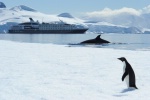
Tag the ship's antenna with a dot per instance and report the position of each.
(61, 20)
(42, 19)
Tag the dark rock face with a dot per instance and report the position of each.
(23, 8)
(67, 15)
(2, 5)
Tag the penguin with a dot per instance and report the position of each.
(128, 74)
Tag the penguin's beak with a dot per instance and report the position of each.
(119, 58)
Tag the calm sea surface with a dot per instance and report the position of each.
(118, 41)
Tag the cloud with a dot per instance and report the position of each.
(107, 12)
(146, 9)
(124, 17)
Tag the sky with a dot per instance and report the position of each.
(76, 7)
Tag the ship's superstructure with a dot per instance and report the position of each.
(49, 28)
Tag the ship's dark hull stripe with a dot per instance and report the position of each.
(47, 31)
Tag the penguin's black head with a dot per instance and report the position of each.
(122, 59)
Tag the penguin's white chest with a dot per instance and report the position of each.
(127, 77)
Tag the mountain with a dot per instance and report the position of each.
(125, 20)
(22, 8)
(124, 17)
(2, 5)
(67, 15)
(19, 14)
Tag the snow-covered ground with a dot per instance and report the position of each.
(34, 71)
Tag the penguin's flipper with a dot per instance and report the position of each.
(124, 75)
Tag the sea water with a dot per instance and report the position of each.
(118, 41)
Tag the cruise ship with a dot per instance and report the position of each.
(59, 27)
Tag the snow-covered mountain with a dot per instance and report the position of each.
(124, 17)
(22, 13)
(125, 20)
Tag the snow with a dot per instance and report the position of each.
(34, 71)
(110, 28)
(125, 20)
(129, 17)
(19, 14)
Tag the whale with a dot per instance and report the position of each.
(97, 40)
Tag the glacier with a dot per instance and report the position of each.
(126, 17)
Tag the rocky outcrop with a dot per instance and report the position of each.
(2, 5)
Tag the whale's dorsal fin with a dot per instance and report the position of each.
(98, 37)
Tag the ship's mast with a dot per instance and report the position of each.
(31, 20)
